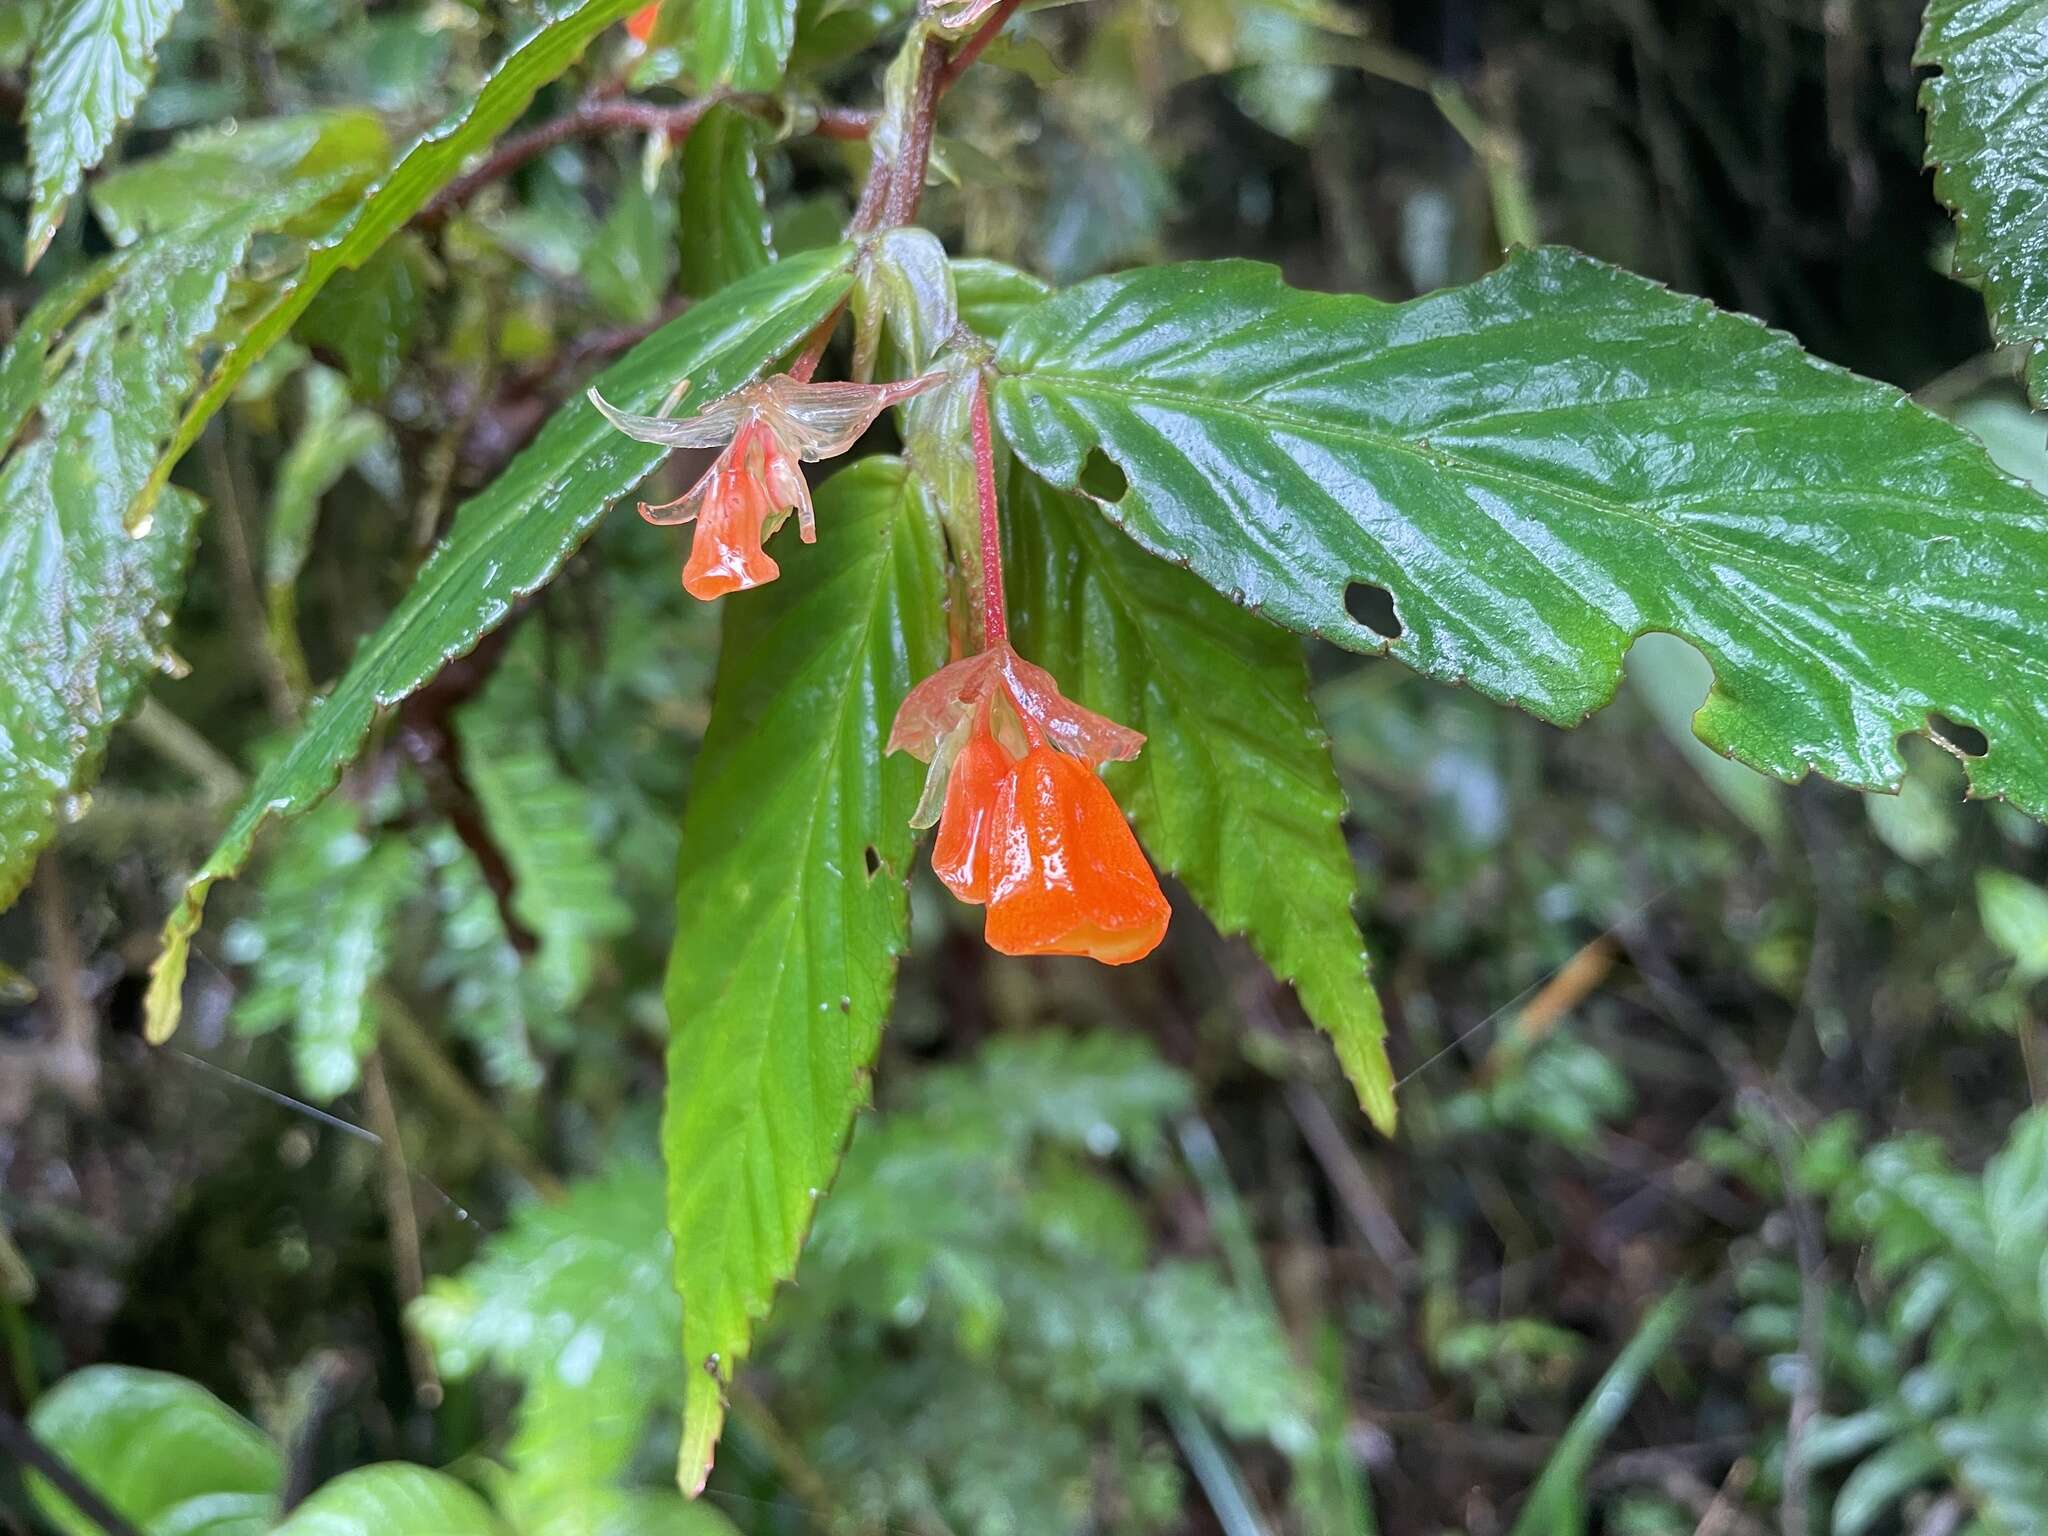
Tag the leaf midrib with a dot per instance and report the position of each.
(1196, 403)
(799, 935)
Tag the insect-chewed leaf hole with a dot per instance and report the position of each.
(1959, 734)
(874, 861)
(1373, 606)
(1102, 478)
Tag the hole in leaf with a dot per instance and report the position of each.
(1102, 478)
(1373, 607)
(874, 862)
(1965, 738)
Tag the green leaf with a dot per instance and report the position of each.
(2015, 914)
(790, 909)
(1234, 792)
(1543, 466)
(724, 233)
(392, 1499)
(1556, 1504)
(429, 165)
(217, 171)
(320, 941)
(544, 821)
(84, 606)
(508, 541)
(991, 294)
(161, 1450)
(93, 61)
(631, 260)
(622, 1512)
(1987, 139)
(331, 437)
(742, 45)
(365, 319)
(573, 1299)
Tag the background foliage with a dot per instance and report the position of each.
(1717, 1199)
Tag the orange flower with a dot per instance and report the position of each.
(960, 855)
(641, 22)
(767, 429)
(1068, 877)
(1025, 823)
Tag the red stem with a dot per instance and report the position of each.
(814, 348)
(972, 49)
(995, 624)
(599, 116)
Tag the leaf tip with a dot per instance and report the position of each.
(703, 1421)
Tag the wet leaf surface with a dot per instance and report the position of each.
(1540, 467)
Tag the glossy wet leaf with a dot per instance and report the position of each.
(392, 1499)
(1234, 792)
(216, 171)
(433, 161)
(84, 608)
(93, 60)
(1987, 139)
(508, 541)
(790, 909)
(742, 45)
(1546, 464)
(161, 1450)
(573, 1300)
(724, 233)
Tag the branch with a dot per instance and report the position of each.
(19, 1442)
(596, 117)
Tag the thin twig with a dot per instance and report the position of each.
(809, 1485)
(595, 117)
(76, 1062)
(1794, 1512)
(19, 1442)
(180, 745)
(416, 1054)
(964, 57)
(1353, 1186)
(408, 1271)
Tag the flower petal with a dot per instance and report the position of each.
(1066, 875)
(712, 427)
(936, 707)
(822, 421)
(1097, 739)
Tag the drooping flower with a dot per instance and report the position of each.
(1067, 876)
(767, 429)
(1026, 825)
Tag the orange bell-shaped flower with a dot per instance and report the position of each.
(1067, 877)
(1025, 824)
(735, 513)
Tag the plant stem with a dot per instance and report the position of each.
(415, 1053)
(905, 187)
(408, 1272)
(814, 349)
(19, 1442)
(600, 116)
(995, 624)
(972, 49)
